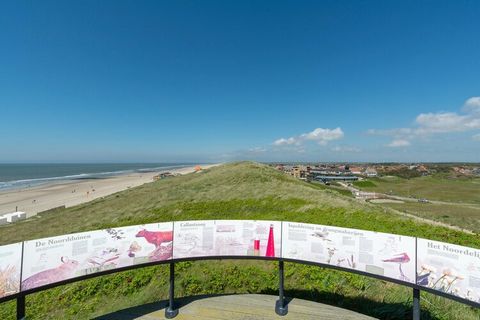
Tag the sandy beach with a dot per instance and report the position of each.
(70, 193)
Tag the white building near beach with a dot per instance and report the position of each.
(12, 217)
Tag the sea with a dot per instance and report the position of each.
(19, 176)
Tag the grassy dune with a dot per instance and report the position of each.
(234, 191)
(462, 215)
(435, 187)
(460, 197)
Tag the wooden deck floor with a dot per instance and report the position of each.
(236, 307)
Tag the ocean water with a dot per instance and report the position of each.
(15, 176)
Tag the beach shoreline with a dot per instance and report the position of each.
(56, 194)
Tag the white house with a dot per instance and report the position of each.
(12, 217)
(371, 172)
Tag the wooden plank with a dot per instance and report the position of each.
(236, 307)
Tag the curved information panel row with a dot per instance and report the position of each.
(447, 268)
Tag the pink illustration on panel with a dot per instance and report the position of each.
(162, 240)
(64, 271)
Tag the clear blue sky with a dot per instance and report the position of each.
(121, 81)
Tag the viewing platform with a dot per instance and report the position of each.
(235, 307)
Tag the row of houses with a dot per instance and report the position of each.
(327, 172)
(405, 170)
(467, 171)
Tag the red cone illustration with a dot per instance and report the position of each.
(270, 244)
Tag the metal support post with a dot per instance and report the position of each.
(416, 304)
(21, 308)
(170, 311)
(280, 307)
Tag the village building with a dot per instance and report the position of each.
(371, 172)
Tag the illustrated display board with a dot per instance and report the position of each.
(383, 254)
(10, 269)
(248, 238)
(227, 238)
(193, 239)
(449, 268)
(55, 259)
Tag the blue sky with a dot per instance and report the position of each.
(123, 81)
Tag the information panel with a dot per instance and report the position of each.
(227, 238)
(449, 268)
(55, 259)
(388, 255)
(10, 269)
(193, 239)
(248, 238)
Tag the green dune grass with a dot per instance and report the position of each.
(460, 197)
(466, 216)
(435, 187)
(233, 191)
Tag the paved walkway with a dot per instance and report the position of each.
(236, 307)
